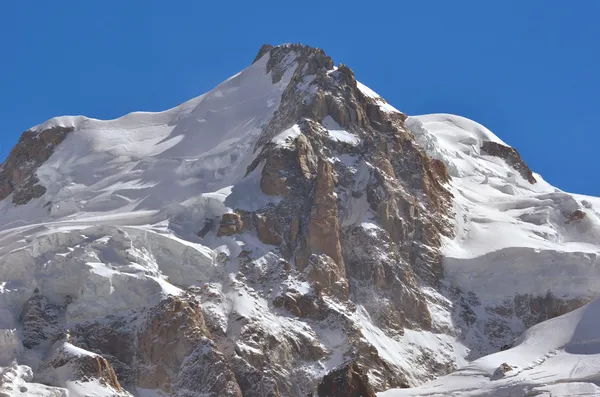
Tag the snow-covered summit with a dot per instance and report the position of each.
(288, 224)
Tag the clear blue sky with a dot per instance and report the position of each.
(528, 70)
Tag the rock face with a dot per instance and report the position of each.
(348, 381)
(40, 321)
(17, 173)
(176, 353)
(512, 157)
(502, 370)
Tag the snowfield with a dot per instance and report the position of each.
(118, 231)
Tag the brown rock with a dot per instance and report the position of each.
(267, 228)
(326, 276)
(112, 340)
(576, 216)
(323, 230)
(350, 380)
(273, 179)
(85, 367)
(176, 333)
(511, 156)
(18, 172)
(439, 169)
(502, 370)
(231, 223)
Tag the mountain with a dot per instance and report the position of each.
(287, 233)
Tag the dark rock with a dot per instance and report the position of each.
(263, 50)
(18, 172)
(501, 371)
(350, 380)
(511, 156)
(40, 320)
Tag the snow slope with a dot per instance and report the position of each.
(559, 357)
(512, 237)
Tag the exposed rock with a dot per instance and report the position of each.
(113, 340)
(535, 309)
(79, 365)
(267, 228)
(323, 230)
(273, 175)
(263, 50)
(231, 223)
(326, 276)
(18, 172)
(348, 381)
(576, 216)
(40, 321)
(501, 371)
(511, 156)
(171, 334)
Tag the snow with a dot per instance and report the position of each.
(287, 136)
(383, 105)
(511, 236)
(408, 350)
(559, 357)
(337, 133)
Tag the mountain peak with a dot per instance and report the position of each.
(289, 231)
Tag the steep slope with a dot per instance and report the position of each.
(559, 357)
(523, 250)
(288, 232)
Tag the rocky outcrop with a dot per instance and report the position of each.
(114, 340)
(511, 156)
(75, 364)
(231, 223)
(322, 234)
(175, 353)
(40, 320)
(400, 188)
(167, 348)
(18, 172)
(535, 309)
(347, 381)
(501, 371)
(576, 216)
